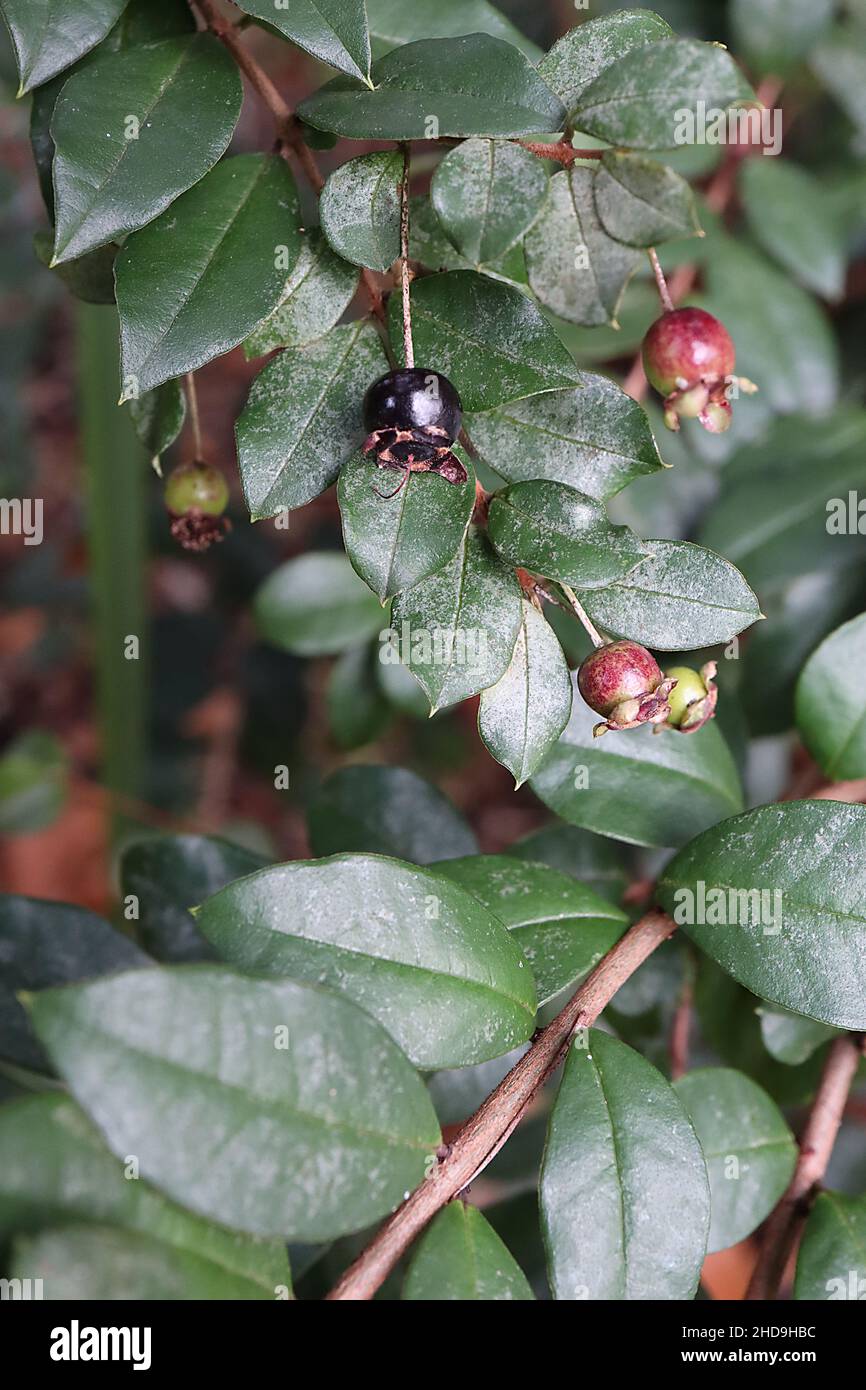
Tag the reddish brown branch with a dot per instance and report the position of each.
(784, 1227)
(485, 1132)
(562, 152)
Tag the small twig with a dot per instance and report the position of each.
(594, 634)
(785, 1225)
(852, 792)
(682, 1022)
(194, 417)
(664, 292)
(405, 277)
(562, 152)
(481, 1136)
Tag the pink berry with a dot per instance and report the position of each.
(685, 347)
(623, 682)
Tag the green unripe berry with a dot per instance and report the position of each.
(689, 688)
(196, 487)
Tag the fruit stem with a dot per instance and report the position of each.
(595, 635)
(664, 292)
(408, 346)
(194, 417)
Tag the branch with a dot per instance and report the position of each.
(486, 1131)
(408, 346)
(785, 1225)
(562, 152)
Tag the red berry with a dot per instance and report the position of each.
(623, 681)
(685, 347)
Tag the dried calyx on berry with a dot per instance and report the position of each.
(693, 699)
(196, 495)
(623, 682)
(689, 358)
(413, 416)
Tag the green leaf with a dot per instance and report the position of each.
(316, 605)
(334, 31)
(791, 1038)
(621, 1157)
(276, 1109)
(159, 417)
(596, 439)
(487, 337)
(475, 85)
(838, 60)
(775, 34)
(790, 217)
(554, 530)
(386, 810)
(89, 277)
(522, 716)
(636, 786)
(434, 966)
(582, 54)
(456, 630)
(170, 874)
(360, 209)
(486, 194)
(399, 686)
(641, 202)
(358, 711)
(639, 100)
(316, 294)
(49, 35)
(393, 22)
(34, 776)
(788, 881)
(678, 599)
(55, 1170)
(48, 943)
(193, 284)
(394, 541)
(461, 1258)
(749, 1150)
(186, 96)
(831, 702)
(562, 927)
(598, 863)
(575, 268)
(302, 419)
(831, 1263)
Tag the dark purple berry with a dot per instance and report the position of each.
(414, 398)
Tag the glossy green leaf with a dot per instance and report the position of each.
(386, 810)
(596, 862)
(159, 417)
(456, 629)
(487, 337)
(476, 85)
(831, 702)
(523, 714)
(397, 683)
(185, 94)
(775, 34)
(394, 541)
(582, 54)
(316, 605)
(749, 1150)
(49, 943)
(34, 775)
(831, 1263)
(278, 1109)
(639, 100)
(316, 294)
(302, 419)
(788, 880)
(434, 966)
(791, 1038)
(461, 1258)
(596, 438)
(360, 209)
(393, 22)
(562, 927)
(163, 877)
(89, 277)
(486, 194)
(637, 786)
(838, 59)
(334, 31)
(792, 220)
(680, 598)
(49, 35)
(554, 530)
(575, 268)
(358, 711)
(621, 1157)
(55, 1170)
(193, 284)
(643, 203)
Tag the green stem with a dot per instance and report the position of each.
(116, 478)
